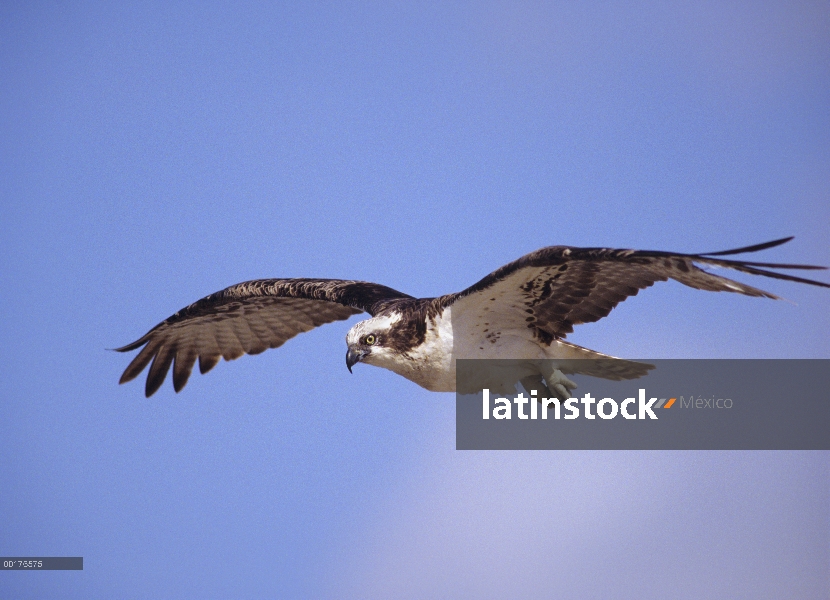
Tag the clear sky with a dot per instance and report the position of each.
(152, 153)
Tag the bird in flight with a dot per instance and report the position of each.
(523, 310)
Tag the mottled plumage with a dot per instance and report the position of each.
(522, 310)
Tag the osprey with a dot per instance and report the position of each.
(523, 310)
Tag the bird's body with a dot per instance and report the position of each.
(523, 310)
(431, 364)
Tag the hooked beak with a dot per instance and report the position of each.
(353, 357)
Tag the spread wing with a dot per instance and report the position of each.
(247, 318)
(551, 290)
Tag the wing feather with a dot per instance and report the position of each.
(207, 362)
(228, 340)
(183, 366)
(142, 359)
(158, 370)
(208, 350)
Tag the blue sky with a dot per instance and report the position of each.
(153, 153)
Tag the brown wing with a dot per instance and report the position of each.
(247, 318)
(555, 288)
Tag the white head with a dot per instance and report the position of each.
(374, 342)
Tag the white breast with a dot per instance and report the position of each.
(448, 338)
(432, 364)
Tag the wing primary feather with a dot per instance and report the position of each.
(140, 362)
(207, 362)
(158, 370)
(182, 367)
(138, 343)
(753, 248)
(748, 268)
(773, 265)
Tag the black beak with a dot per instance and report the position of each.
(353, 357)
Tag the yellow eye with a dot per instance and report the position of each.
(369, 340)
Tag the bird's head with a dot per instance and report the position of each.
(369, 342)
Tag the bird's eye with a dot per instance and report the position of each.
(369, 340)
